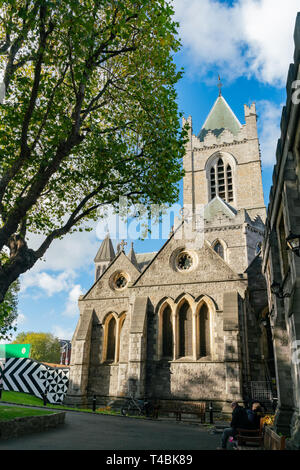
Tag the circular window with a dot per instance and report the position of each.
(184, 261)
(119, 281)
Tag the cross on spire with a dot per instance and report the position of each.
(220, 85)
(122, 245)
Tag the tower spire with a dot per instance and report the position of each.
(104, 256)
(132, 257)
(220, 85)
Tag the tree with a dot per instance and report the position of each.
(44, 346)
(9, 312)
(89, 114)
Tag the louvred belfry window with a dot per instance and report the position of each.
(221, 181)
(229, 184)
(213, 183)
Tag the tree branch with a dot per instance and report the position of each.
(6, 45)
(25, 150)
(49, 107)
(16, 45)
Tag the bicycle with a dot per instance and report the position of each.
(137, 407)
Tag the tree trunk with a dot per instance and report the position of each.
(18, 264)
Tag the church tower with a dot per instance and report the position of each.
(224, 142)
(223, 173)
(104, 256)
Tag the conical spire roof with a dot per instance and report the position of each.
(221, 117)
(132, 257)
(106, 251)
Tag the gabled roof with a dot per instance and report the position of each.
(217, 205)
(143, 259)
(119, 255)
(156, 254)
(106, 251)
(104, 272)
(221, 117)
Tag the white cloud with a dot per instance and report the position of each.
(210, 33)
(71, 307)
(62, 333)
(54, 284)
(50, 284)
(269, 130)
(269, 29)
(21, 319)
(72, 252)
(250, 38)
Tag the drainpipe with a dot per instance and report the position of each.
(246, 344)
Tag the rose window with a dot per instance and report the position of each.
(121, 282)
(184, 262)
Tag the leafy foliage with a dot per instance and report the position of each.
(89, 115)
(9, 312)
(44, 346)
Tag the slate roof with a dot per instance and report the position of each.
(216, 205)
(143, 259)
(132, 256)
(221, 117)
(106, 251)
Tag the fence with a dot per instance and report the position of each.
(29, 376)
(263, 392)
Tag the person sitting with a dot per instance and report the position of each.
(239, 420)
(255, 415)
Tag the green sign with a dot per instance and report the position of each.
(14, 350)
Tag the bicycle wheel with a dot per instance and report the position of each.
(125, 410)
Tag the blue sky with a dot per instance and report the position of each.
(250, 44)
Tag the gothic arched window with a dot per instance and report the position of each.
(185, 330)
(111, 339)
(204, 331)
(98, 273)
(219, 249)
(167, 333)
(221, 180)
(122, 349)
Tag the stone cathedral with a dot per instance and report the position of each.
(183, 323)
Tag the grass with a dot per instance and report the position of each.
(12, 412)
(21, 398)
(30, 400)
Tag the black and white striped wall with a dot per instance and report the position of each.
(29, 376)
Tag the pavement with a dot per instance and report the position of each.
(87, 431)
